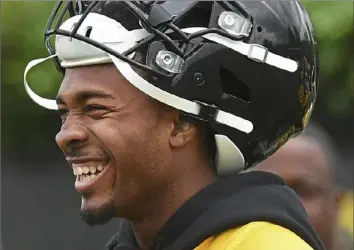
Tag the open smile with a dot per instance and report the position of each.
(87, 174)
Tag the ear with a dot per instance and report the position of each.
(182, 132)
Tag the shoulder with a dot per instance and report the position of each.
(256, 235)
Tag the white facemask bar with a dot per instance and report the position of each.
(80, 53)
(149, 89)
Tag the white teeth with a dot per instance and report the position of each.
(85, 170)
(93, 170)
(85, 178)
(79, 170)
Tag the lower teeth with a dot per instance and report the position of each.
(87, 177)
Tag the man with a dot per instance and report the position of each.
(163, 103)
(309, 165)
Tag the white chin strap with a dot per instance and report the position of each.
(74, 53)
(229, 158)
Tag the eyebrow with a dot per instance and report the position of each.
(85, 95)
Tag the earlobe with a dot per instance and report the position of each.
(182, 133)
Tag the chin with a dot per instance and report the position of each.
(97, 215)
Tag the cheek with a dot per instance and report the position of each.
(140, 153)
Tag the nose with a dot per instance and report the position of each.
(71, 133)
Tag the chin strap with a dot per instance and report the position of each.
(228, 160)
(162, 96)
(46, 103)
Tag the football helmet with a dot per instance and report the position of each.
(246, 70)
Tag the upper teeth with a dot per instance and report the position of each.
(79, 170)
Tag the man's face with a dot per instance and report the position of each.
(302, 165)
(115, 139)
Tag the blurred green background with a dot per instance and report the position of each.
(28, 130)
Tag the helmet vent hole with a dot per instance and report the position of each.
(232, 86)
(88, 31)
(259, 29)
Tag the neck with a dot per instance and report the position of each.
(185, 184)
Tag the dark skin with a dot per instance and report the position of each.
(302, 164)
(154, 161)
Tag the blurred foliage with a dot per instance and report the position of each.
(333, 23)
(22, 40)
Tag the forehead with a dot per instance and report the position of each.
(103, 79)
(298, 158)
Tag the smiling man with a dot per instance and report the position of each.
(122, 156)
(164, 103)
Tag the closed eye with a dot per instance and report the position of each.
(96, 111)
(89, 108)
